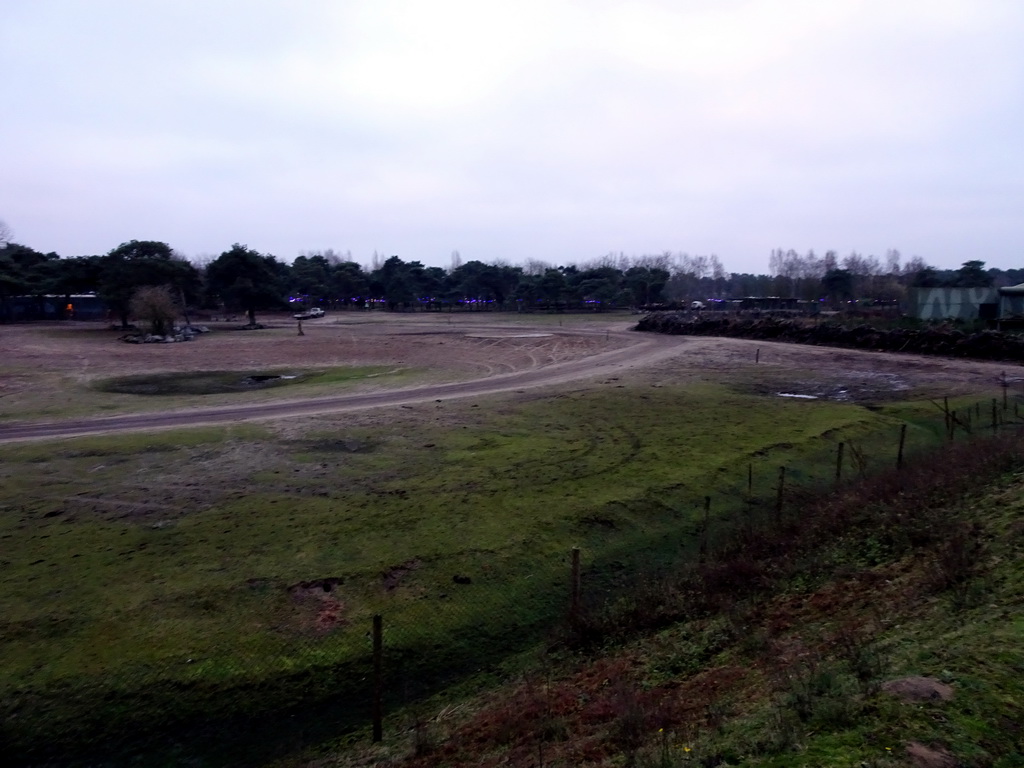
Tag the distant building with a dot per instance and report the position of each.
(956, 303)
(1011, 302)
(85, 306)
(769, 303)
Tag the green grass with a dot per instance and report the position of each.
(158, 566)
(791, 676)
(974, 644)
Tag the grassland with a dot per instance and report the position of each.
(903, 575)
(151, 584)
(131, 560)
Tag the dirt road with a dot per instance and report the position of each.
(637, 351)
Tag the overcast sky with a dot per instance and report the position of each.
(516, 130)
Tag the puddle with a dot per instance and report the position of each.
(508, 335)
(845, 387)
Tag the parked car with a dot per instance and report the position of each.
(310, 314)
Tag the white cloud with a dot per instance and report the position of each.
(552, 129)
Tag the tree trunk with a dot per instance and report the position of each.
(184, 305)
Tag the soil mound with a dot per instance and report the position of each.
(927, 757)
(950, 342)
(918, 689)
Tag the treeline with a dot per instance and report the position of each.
(243, 280)
(829, 277)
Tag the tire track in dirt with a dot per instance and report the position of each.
(607, 448)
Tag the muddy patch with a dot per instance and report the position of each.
(323, 608)
(916, 688)
(840, 387)
(199, 382)
(340, 445)
(393, 577)
(315, 588)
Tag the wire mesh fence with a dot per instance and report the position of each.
(319, 662)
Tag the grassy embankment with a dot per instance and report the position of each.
(145, 580)
(780, 649)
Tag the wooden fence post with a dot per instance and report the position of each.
(781, 491)
(574, 594)
(903, 440)
(378, 683)
(750, 481)
(995, 416)
(839, 463)
(704, 529)
(757, 356)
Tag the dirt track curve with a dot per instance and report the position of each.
(640, 350)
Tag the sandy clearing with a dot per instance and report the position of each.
(508, 370)
(465, 356)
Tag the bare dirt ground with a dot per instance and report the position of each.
(45, 367)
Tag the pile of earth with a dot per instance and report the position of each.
(940, 340)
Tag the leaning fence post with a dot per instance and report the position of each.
(757, 356)
(779, 497)
(378, 683)
(903, 440)
(704, 529)
(574, 596)
(995, 415)
(839, 463)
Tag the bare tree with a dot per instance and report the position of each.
(610, 260)
(663, 260)
(155, 305)
(535, 267)
(6, 234)
(913, 265)
(696, 267)
(892, 262)
(717, 270)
